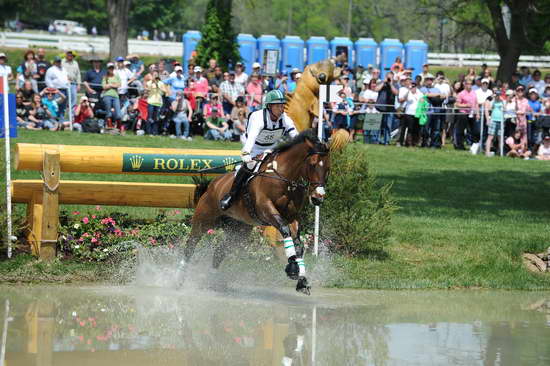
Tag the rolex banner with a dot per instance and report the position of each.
(172, 163)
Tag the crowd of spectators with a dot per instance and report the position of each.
(424, 110)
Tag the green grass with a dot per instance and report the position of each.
(463, 220)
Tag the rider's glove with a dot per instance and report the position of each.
(246, 158)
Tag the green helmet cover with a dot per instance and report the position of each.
(275, 97)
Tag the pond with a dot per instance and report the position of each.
(137, 325)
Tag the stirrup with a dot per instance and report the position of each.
(226, 202)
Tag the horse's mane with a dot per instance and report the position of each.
(309, 134)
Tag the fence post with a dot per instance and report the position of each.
(50, 202)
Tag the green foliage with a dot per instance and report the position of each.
(218, 38)
(96, 236)
(356, 214)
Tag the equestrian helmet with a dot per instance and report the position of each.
(275, 97)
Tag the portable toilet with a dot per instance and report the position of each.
(365, 52)
(268, 42)
(247, 50)
(340, 45)
(389, 50)
(317, 49)
(190, 40)
(292, 53)
(416, 55)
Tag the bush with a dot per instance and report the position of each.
(96, 236)
(356, 214)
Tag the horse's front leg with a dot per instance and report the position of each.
(296, 268)
(302, 285)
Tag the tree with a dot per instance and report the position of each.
(511, 37)
(118, 27)
(218, 37)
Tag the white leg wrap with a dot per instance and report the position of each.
(288, 244)
(301, 266)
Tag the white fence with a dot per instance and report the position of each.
(87, 43)
(161, 48)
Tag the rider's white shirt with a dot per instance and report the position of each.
(264, 134)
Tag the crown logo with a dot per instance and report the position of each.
(136, 162)
(229, 164)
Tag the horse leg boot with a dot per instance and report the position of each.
(240, 178)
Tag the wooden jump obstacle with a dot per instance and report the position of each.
(43, 197)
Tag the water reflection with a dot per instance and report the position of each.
(129, 326)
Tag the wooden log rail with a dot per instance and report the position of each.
(43, 197)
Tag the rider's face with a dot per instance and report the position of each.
(277, 109)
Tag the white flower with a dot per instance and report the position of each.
(77, 246)
(76, 226)
(105, 250)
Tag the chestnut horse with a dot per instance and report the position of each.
(274, 196)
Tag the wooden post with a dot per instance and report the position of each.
(34, 222)
(50, 202)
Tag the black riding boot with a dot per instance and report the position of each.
(240, 179)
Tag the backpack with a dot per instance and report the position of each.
(90, 125)
(383, 101)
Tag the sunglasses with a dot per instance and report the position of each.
(520, 90)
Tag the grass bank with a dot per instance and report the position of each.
(463, 221)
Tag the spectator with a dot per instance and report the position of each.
(537, 82)
(163, 73)
(211, 71)
(230, 91)
(450, 120)
(344, 115)
(509, 113)
(239, 106)
(111, 100)
(5, 69)
(522, 109)
(199, 81)
(82, 112)
(397, 65)
(177, 83)
(471, 75)
(73, 73)
(494, 117)
(183, 114)
(93, 79)
(254, 91)
(412, 98)
(346, 86)
(57, 78)
(525, 76)
(484, 69)
(22, 112)
(27, 92)
(214, 103)
(136, 66)
(514, 82)
(40, 115)
(156, 89)
(425, 72)
(52, 99)
(536, 107)
(216, 80)
(240, 76)
(125, 76)
(257, 68)
(544, 149)
(516, 145)
(218, 129)
(466, 101)
(431, 135)
(239, 127)
(42, 65)
(27, 71)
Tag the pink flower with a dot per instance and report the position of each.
(94, 240)
(134, 231)
(85, 220)
(98, 208)
(211, 231)
(93, 216)
(76, 213)
(152, 241)
(118, 232)
(177, 212)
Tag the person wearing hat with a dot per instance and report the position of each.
(111, 100)
(42, 65)
(137, 66)
(73, 72)
(82, 112)
(183, 113)
(210, 72)
(93, 79)
(52, 99)
(156, 90)
(431, 131)
(535, 107)
(265, 129)
(57, 78)
(254, 91)
(5, 69)
(177, 83)
(257, 68)
(218, 129)
(241, 77)
(494, 117)
(200, 83)
(482, 94)
(126, 78)
(543, 152)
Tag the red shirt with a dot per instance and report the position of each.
(85, 112)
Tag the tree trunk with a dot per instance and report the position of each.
(509, 58)
(118, 27)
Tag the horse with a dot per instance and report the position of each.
(274, 196)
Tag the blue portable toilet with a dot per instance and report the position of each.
(267, 42)
(340, 45)
(292, 53)
(389, 50)
(416, 55)
(317, 49)
(247, 49)
(365, 52)
(190, 40)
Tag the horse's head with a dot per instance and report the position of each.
(317, 169)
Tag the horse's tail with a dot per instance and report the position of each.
(202, 184)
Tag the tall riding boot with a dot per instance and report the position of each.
(240, 179)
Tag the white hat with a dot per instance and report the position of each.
(298, 75)
(127, 62)
(429, 76)
(256, 65)
(533, 90)
(2, 54)
(485, 81)
(110, 64)
(509, 92)
(197, 69)
(178, 68)
(295, 70)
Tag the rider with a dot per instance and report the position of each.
(264, 130)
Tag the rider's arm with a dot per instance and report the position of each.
(255, 124)
(289, 126)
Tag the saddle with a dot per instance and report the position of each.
(247, 196)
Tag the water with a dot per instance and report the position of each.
(139, 325)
